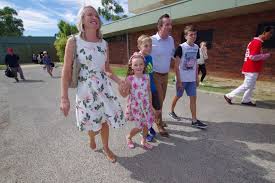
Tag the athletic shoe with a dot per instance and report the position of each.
(228, 100)
(199, 124)
(174, 116)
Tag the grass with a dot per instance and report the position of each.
(2, 67)
(264, 89)
(120, 71)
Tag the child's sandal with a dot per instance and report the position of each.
(130, 143)
(146, 145)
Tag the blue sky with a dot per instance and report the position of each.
(40, 17)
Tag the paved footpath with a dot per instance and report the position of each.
(37, 144)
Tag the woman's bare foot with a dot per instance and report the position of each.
(109, 154)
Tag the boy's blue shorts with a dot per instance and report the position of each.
(189, 87)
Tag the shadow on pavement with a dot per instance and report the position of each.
(30, 81)
(225, 152)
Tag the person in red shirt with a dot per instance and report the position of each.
(253, 63)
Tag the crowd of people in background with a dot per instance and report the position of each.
(13, 66)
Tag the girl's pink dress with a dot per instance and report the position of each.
(138, 105)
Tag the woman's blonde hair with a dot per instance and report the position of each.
(80, 25)
(143, 39)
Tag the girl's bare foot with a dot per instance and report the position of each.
(109, 154)
(92, 144)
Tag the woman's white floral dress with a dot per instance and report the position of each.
(95, 100)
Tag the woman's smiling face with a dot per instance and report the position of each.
(91, 19)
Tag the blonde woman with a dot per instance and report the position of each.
(97, 106)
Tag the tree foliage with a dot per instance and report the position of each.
(9, 24)
(111, 10)
(65, 30)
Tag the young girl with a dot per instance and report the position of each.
(139, 105)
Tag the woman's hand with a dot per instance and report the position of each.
(65, 106)
(124, 88)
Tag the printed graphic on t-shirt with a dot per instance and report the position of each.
(149, 68)
(189, 61)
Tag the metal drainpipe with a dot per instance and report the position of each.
(127, 43)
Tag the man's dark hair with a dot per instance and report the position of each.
(160, 22)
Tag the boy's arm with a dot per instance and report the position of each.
(255, 52)
(176, 68)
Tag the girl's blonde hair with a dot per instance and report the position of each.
(80, 25)
(143, 39)
(135, 55)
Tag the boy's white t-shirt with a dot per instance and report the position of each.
(188, 63)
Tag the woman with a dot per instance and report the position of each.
(96, 104)
(201, 60)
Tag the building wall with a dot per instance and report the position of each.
(230, 38)
(26, 46)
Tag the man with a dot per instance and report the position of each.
(11, 61)
(253, 63)
(162, 53)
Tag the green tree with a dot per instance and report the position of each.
(65, 30)
(111, 10)
(9, 25)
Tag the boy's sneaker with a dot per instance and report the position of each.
(150, 138)
(17, 80)
(152, 131)
(199, 124)
(174, 116)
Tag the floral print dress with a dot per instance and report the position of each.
(138, 107)
(95, 100)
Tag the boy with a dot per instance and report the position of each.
(145, 46)
(253, 63)
(187, 73)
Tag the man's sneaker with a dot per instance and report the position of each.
(249, 104)
(199, 124)
(174, 116)
(16, 79)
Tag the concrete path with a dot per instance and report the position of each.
(37, 144)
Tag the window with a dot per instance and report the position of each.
(202, 35)
(269, 43)
(116, 38)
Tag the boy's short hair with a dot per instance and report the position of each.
(268, 29)
(143, 39)
(189, 28)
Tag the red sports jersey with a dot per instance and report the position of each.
(253, 48)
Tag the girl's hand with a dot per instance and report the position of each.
(123, 88)
(65, 106)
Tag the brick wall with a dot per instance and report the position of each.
(230, 38)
